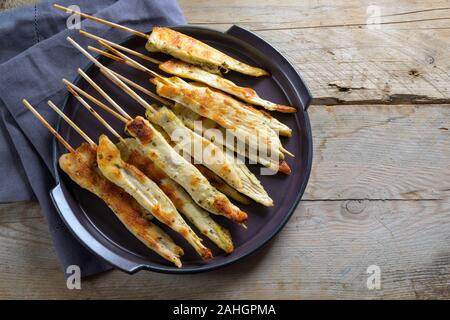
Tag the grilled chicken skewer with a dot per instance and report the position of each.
(154, 145)
(246, 123)
(182, 47)
(224, 164)
(215, 181)
(139, 186)
(189, 71)
(81, 166)
(188, 117)
(131, 153)
(220, 162)
(272, 122)
(192, 72)
(210, 129)
(183, 202)
(196, 52)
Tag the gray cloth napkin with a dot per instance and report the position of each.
(34, 57)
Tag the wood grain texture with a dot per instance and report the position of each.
(310, 14)
(323, 252)
(344, 60)
(380, 152)
(378, 194)
(379, 191)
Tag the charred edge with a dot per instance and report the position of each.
(223, 205)
(284, 167)
(206, 254)
(140, 130)
(285, 109)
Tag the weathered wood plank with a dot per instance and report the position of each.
(323, 252)
(309, 14)
(361, 152)
(340, 58)
(369, 66)
(380, 152)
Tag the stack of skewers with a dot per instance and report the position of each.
(156, 173)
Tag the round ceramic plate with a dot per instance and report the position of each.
(93, 223)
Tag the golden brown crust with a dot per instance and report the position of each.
(190, 71)
(142, 132)
(180, 198)
(222, 205)
(196, 52)
(145, 191)
(184, 173)
(81, 166)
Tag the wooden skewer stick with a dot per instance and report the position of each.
(111, 76)
(126, 80)
(132, 61)
(150, 72)
(95, 114)
(106, 22)
(287, 152)
(131, 93)
(142, 89)
(103, 93)
(143, 68)
(95, 100)
(48, 126)
(120, 47)
(119, 82)
(70, 122)
(112, 56)
(128, 90)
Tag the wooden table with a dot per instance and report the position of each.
(380, 185)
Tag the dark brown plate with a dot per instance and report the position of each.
(97, 227)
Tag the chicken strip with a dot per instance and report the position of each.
(213, 178)
(221, 162)
(155, 146)
(81, 167)
(131, 153)
(189, 117)
(146, 193)
(221, 185)
(196, 52)
(273, 123)
(194, 145)
(189, 71)
(245, 125)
